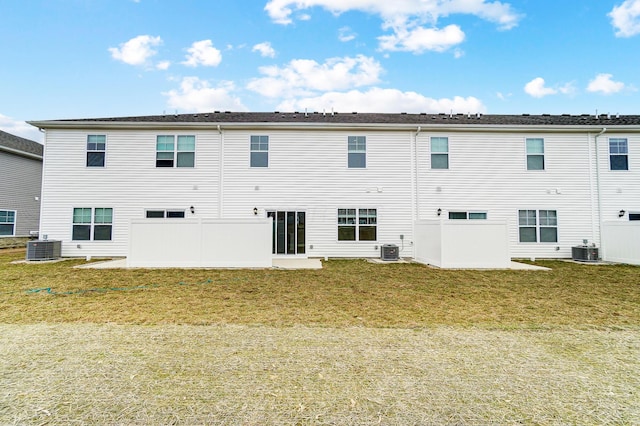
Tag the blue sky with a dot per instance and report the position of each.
(99, 58)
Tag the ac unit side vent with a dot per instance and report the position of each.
(44, 250)
(584, 253)
(389, 252)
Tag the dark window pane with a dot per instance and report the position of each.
(619, 162)
(457, 215)
(634, 216)
(102, 233)
(479, 215)
(259, 159)
(346, 233)
(95, 159)
(175, 214)
(357, 160)
(528, 235)
(535, 162)
(439, 161)
(301, 232)
(81, 232)
(186, 159)
(6, 229)
(367, 233)
(155, 213)
(548, 235)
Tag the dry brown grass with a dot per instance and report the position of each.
(255, 375)
(344, 293)
(352, 344)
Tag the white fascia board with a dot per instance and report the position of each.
(130, 125)
(21, 153)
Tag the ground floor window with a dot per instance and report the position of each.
(634, 216)
(467, 215)
(357, 224)
(538, 226)
(92, 224)
(7, 223)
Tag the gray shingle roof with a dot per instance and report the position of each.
(16, 143)
(372, 118)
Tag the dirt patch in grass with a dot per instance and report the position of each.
(343, 293)
(231, 374)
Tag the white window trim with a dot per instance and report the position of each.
(538, 226)
(268, 151)
(165, 212)
(357, 152)
(93, 224)
(431, 137)
(468, 213)
(176, 151)
(87, 151)
(14, 223)
(357, 225)
(609, 155)
(544, 156)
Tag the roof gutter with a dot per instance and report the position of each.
(21, 153)
(213, 125)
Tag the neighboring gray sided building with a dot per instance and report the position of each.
(20, 185)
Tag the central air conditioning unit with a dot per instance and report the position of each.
(584, 253)
(44, 250)
(389, 252)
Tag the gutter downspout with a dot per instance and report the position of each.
(414, 189)
(598, 193)
(220, 173)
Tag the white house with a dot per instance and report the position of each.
(344, 184)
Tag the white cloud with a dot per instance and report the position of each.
(163, 65)
(626, 18)
(407, 18)
(537, 89)
(345, 34)
(265, 49)
(203, 53)
(197, 95)
(304, 77)
(603, 83)
(20, 128)
(420, 39)
(136, 51)
(280, 11)
(383, 100)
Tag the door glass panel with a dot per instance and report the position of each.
(291, 233)
(301, 233)
(272, 215)
(281, 237)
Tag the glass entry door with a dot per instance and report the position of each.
(288, 232)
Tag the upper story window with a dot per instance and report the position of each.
(96, 150)
(7, 223)
(538, 226)
(467, 215)
(92, 224)
(439, 153)
(357, 224)
(618, 154)
(535, 153)
(357, 152)
(170, 154)
(150, 214)
(259, 151)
